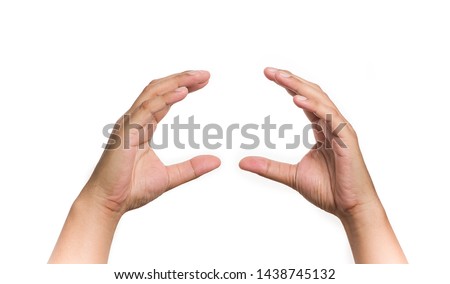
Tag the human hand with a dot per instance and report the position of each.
(333, 175)
(131, 175)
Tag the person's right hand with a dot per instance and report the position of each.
(332, 175)
(130, 174)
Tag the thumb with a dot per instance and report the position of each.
(274, 170)
(191, 169)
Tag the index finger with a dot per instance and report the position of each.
(192, 80)
(313, 100)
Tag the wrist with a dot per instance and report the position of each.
(371, 236)
(95, 209)
(87, 233)
(360, 216)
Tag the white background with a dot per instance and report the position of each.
(67, 69)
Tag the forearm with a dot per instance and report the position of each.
(371, 236)
(87, 234)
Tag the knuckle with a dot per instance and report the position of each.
(292, 178)
(331, 113)
(351, 129)
(153, 82)
(150, 86)
(316, 86)
(286, 72)
(183, 76)
(299, 87)
(146, 105)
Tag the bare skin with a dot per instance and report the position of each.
(333, 175)
(127, 178)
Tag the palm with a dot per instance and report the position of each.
(316, 178)
(148, 181)
(331, 175)
(134, 177)
(129, 175)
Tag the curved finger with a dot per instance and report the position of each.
(335, 122)
(298, 87)
(192, 80)
(138, 126)
(313, 101)
(310, 115)
(154, 109)
(271, 72)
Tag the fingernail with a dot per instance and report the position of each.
(181, 90)
(285, 75)
(192, 72)
(271, 70)
(301, 98)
